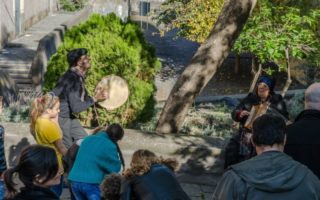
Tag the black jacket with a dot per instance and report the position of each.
(72, 94)
(277, 106)
(159, 183)
(36, 193)
(303, 140)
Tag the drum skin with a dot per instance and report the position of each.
(117, 90)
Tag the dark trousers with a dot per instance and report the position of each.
(72, 130)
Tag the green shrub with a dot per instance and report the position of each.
(72, 5)
(18, 110)
(210, 119)
(115, 47)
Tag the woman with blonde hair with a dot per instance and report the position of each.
(151, 178)
(45, 128)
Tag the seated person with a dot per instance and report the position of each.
(239, 148)
(271, 174)
(151, 178)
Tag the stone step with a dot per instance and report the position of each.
(16, 72)
(14, 63)
(17, 54)
(20, 75)
(19, 71)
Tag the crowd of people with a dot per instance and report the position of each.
(268, 158)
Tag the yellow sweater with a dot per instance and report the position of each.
(47, 132)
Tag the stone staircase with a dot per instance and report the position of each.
(17, 56)
(17, 64)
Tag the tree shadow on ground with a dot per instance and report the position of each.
(14, 151)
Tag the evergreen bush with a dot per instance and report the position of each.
(115, 47)
(72, 5)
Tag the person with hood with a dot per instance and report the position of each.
(271, 174)
(303, 143)
(239, 147)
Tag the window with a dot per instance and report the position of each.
(144, 8)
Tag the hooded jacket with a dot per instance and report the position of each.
(271, 175)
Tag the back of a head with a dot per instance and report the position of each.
(110, 187)
(115, 132)
(34, 161)
(269, 129)
(142, 157)
(312, 97)
(74, 55)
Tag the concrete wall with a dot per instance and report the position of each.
(7, 21)
(13, 23)
(135, 5)
(33, 11)
(119, 7)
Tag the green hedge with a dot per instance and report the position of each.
(115, 47)
(72, 5)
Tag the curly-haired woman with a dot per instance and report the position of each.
(151, 178)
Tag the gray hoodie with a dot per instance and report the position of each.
(271, 175)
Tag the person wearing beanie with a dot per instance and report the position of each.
(73, 96)
(239, 147)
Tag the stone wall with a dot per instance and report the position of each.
(7, 21)
(18, 15)
(35, 10)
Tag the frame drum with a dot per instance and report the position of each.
(117, 90)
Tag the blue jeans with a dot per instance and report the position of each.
(85, 191)
(57, 189)
(2, 190)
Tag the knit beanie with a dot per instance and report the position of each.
(270, 82)
(74, 55)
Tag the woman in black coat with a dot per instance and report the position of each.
(240, 148)
(151, 178)
(38, 170)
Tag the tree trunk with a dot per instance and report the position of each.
(289, 80)
(255, 73)
(204, 63)
(237, 64)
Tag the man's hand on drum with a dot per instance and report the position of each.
(100, 96)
